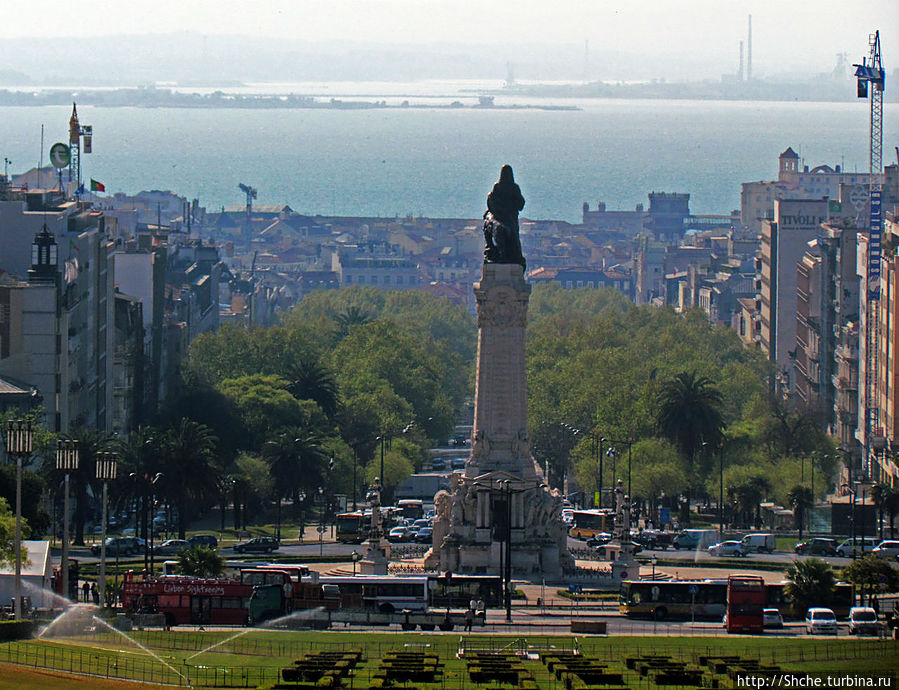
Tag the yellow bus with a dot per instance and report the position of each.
(352, 528)
(589, 523)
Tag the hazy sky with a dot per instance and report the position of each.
(787, 34)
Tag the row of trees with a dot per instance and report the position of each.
(263, 415)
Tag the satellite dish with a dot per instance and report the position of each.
(60, 156)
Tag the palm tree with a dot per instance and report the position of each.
(189, 468)
(311, 380)
(811, 583)
(353, 315)
(801, 501)
(90, 442)
(201, 561)
(689, 414)
(140, 461)
(297, 460)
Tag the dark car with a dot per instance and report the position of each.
(120, 546)
(258, 545)
(207, 540)
(818, 546)
(171, 547)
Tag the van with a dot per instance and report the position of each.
(820, 620)
(863, 621)
(696, 539)
(758, 542)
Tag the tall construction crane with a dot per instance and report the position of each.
(870, 76)
(251, 194)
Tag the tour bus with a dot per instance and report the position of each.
(745, 603)
(672, 599)
(588, 523)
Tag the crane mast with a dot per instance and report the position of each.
(870, 76)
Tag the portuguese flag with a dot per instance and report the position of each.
(97, 186)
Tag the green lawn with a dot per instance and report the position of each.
(254, 657)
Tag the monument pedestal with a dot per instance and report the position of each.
(376, 558)
(500, 501)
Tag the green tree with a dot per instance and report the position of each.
(801, 501)
(8, 535)
(297, 460)
(141, 461)
(689, 413)
(398, 465)
(33, 486)
(883, 494)
(189, 468)
(310, 379)
(810, 583)
(747, 486)
(871, 575)
(201, 561)
(264, 404)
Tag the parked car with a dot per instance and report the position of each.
(820, 621)
(599, 539)
(171, 547)
(207, 540)
(438, 464)
(457, 464)
(845, 547)
(258, 545)
(863, 621)
(759, 543)
(818, 546)
(423, 536)
(771, 618)
(120, 546)
(888, 548)
(726, 548)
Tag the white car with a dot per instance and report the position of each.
(726, 548)
(863, 621)
(889, 548)
(771, 618)
(845, 547)
(820, 621)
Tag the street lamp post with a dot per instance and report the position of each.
(106, 472)
(67, 455)
(19, 442)
(146, 481)
(355, 557)
(506, 489)
(721, 494)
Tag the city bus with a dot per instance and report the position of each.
(589, 523)
(458, 591)
(412, 508)
(352, 528)
(745, 601)
(702, 599)
(672, 599)
(384, 593)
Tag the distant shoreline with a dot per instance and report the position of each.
(164, 98)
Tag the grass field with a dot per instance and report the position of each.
(253, 658)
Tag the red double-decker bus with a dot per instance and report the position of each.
(745, 604)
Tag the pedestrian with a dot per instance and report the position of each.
(473, 605)
(469, 619)
(85, 592)
(482, 607)
(95, 594)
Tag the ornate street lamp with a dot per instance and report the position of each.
(355, 557)
(19, 440)
(107, 465)
(67, 455)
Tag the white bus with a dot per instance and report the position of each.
(384, 593)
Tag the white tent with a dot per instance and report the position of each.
(36, 576)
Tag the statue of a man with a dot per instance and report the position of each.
(501, 220)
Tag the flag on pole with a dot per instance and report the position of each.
(97, 186)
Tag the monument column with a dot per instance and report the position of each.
(500, 474)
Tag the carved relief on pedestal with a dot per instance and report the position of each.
(501, 306)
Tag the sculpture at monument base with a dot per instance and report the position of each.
(377, 553)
